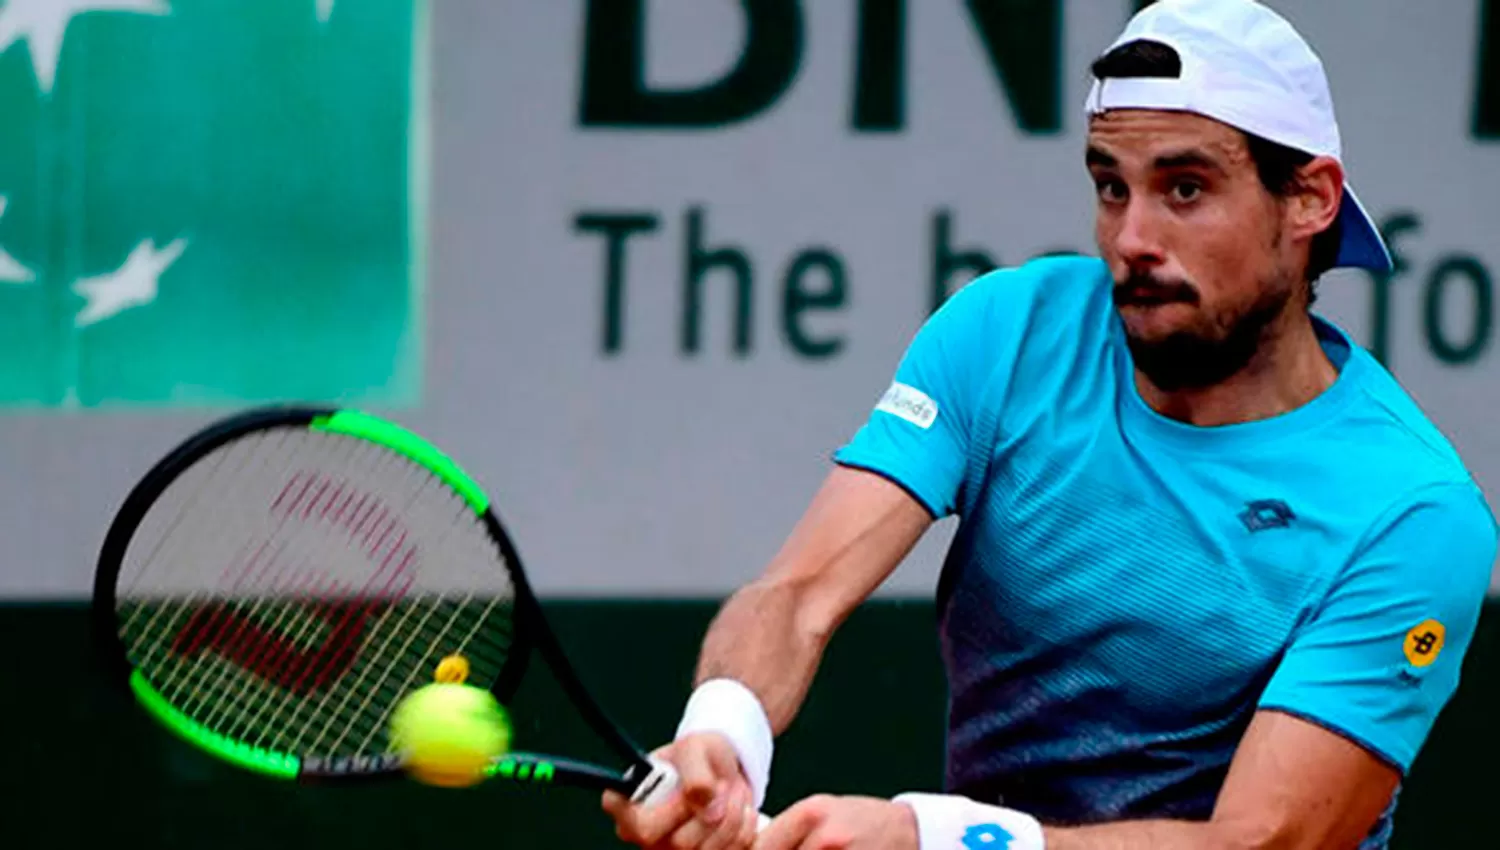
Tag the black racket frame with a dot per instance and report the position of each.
(532, 631)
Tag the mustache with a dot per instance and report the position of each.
(1145, 288)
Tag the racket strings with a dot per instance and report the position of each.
(245, 707)
(266, 712)
(345, 715)
(322, 598)
(290, 700)
(214, 695)
(177, 557)
(172, 547)
(198, 478)
(459, 514)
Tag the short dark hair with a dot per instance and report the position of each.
(1276, 163)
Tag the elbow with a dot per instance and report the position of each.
(1249, 837)
(803, 604)
(1271, 835)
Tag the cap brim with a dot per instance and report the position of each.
(1361, 246)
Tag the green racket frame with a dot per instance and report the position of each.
(638, 779)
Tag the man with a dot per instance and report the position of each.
(1215, 574)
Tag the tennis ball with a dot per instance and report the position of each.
(448, 733)
(453, 669)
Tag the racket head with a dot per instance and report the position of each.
(272, 587)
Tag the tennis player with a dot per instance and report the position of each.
(1215, 573)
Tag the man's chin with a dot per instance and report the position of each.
(1184, 361)
(1156, 322)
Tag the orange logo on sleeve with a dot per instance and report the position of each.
(1424, 642)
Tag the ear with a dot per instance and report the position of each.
(1314, 204)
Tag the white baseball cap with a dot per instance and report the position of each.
(1244, 65)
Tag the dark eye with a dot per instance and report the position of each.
(1186, 190)
(1110, 191)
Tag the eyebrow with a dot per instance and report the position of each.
(1099, 158)
(1186, 159)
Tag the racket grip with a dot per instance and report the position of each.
(663, 780)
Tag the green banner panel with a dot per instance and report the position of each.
(89, 768)
(210, 202)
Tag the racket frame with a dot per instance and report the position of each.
(532, 631)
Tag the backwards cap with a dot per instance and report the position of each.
(1244, 65)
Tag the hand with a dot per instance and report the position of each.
(842, 823)
(713, 808)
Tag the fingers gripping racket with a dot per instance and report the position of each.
(274, 586)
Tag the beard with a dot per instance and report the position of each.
(1202, 356)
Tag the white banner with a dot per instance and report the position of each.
(767, 271)
(671, 272)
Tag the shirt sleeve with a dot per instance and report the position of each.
(921, 429)
(1382, 656)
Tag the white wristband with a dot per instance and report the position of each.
(950, 822)
(733, 710)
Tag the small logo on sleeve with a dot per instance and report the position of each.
(1424, 642)
(910, 404)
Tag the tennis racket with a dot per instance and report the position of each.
(275, 585)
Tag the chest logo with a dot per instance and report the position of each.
(1263, 514)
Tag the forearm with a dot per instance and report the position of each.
(757, 663)
(762, 638)
(770, 635)
(946, 820)
(1140, 835)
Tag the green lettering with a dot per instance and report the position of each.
(1470, 269)
(1023, 39)
(1380, 301)
(796, 300)
(947, 261)
(1487, 79)
(522, 771)
(616, 229)
(614, 91)
(880, 67)
(699, 261)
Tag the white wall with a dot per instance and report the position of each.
(652, 472)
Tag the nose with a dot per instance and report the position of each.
(1138, 237)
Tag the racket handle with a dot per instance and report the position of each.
(662, 781)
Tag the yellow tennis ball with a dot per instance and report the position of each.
(448, 733)
(453, 669)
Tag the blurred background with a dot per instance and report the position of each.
(642, 265)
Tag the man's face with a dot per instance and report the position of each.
(1196, 243)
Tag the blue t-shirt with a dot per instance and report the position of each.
(1125, 590)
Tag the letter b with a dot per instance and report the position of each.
(614, 69)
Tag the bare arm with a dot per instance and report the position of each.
(770, 635)
(1293, 785)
